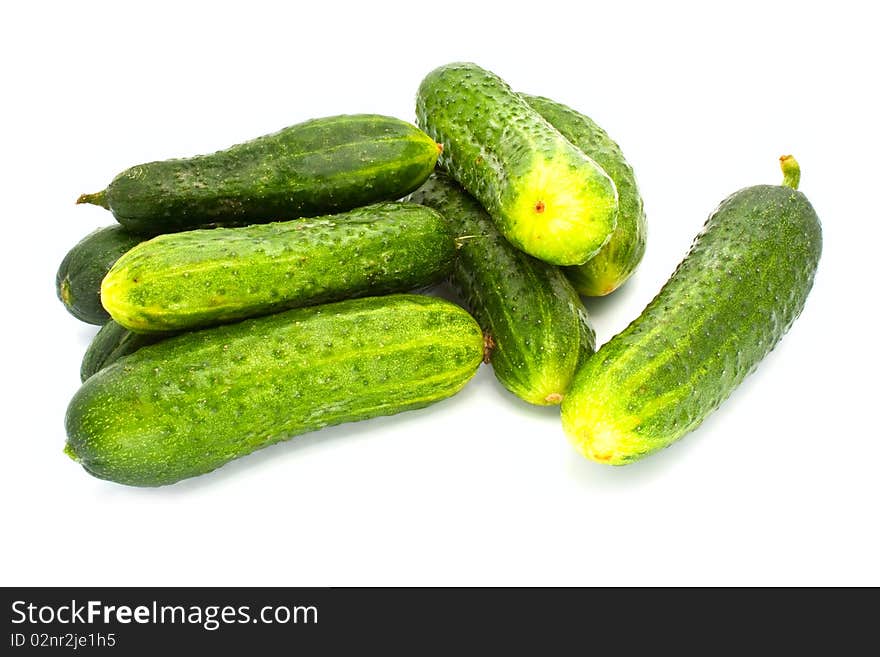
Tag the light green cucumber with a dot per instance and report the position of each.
(546, 196)
(200, 278)
(187, 405)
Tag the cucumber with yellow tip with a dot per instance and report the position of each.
(535, 323)
(621, 255)
(545, 195)
(743, 283)
(199, 278)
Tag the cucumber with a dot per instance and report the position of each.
(204, 277)
(535, 323)
(78, 281)
(187, 405)
(110, 344)
(546, 196)
(743, 283)
(318, 167)
(618, 259)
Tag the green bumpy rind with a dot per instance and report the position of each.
(110, 344)
(317, 167)
(189, 404)
(205, 277)
(619, 258)
(536, 326)
(546, 196)
(78, 281)
(743, 283)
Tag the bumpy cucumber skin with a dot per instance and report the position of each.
(318, 167)
(619, 258)
(189, 404)
(547, 197)
(538, 328)
(205, 277)
(110, 344)
(743, 283)
(78, 281)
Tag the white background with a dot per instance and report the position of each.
(780, 486)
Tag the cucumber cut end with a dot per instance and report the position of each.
(558, 216)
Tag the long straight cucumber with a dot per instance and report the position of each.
(317, 167)
(536, 326)
(546, 196)
(187, 405)
(199, 278)
(618, 259)
(729, 302)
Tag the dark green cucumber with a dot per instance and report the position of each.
(318, 167)
(110, 344)
(546, 196)
(535, 323)
(618, 259)
(205, 277)
(728, 303)
(189, 404)
(78, 281)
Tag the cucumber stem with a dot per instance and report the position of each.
(70, 452)
(98, 198)
(791, 171)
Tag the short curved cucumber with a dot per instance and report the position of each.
(729, 302)
(189, 404)
(321, 166)
(619, 258)
(78, 281)
(536, 326)
(204, 277)
(546, 196)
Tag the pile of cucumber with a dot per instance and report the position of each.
(264, 291)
